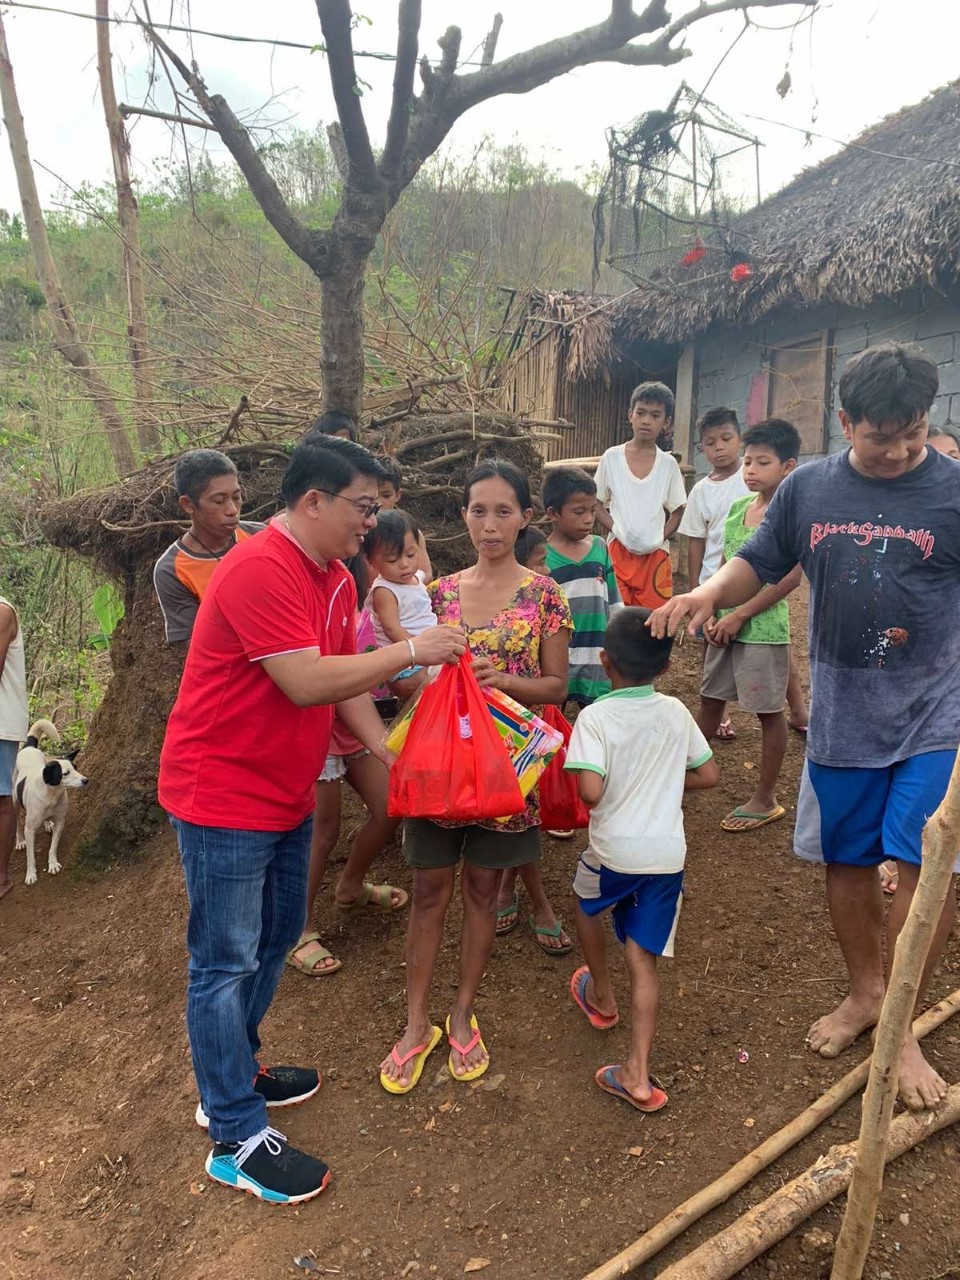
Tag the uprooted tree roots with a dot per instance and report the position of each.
(124, 527)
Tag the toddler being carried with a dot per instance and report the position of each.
(397, 602)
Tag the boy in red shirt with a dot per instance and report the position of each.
(272, 652)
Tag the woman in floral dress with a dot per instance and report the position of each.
(518, 629)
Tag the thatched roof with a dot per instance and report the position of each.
(878, 218)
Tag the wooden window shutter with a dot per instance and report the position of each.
(799, 382)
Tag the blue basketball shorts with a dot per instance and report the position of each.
(645, 908)
(859, 817)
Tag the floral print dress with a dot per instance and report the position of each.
(511, 641)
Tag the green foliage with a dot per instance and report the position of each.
(107, 606)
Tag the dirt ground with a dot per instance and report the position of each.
(101, 1165)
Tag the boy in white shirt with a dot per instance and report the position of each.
(642, 495)
(718, 433)
(636, 752)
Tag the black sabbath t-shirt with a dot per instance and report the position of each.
(883, 560)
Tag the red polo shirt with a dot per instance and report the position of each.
(237, 752)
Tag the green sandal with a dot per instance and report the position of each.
(375, 895)
(511, 909)
(318, 954)
(549, 931)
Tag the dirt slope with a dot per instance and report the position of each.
(101, 1164)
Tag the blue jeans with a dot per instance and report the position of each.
(248, 904)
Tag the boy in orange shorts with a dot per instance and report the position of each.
(642, 495)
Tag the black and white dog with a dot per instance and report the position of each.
(39, 788)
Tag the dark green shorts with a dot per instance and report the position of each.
(427, 845)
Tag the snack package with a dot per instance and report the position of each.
(454, 763)
(531, 743)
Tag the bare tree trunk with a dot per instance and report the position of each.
(65, 335)
(127, 216)
(342, 338)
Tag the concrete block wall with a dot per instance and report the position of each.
(731, 359)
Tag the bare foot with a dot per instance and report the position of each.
(836, 1031)
(5, 887)
(920, 1086)
(889, 876)
(411, 1038)
(463, 1033)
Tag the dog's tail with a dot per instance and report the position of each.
(42, 728)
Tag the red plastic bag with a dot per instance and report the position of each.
(454, 764)
(561, 808)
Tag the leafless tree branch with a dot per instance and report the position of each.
(490, 42)
(335, 18)
(398, 126)
(309, 245)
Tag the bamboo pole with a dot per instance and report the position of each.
(941, 840)
(128, 217)
(694, 1208)
(66, 337)
(726, 1254)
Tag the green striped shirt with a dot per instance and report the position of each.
(591, 590)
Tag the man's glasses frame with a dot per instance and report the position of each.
(367, 509)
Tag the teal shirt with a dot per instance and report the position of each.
(773, 625)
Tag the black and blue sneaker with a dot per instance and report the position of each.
(268, 1167)
(279, 1087)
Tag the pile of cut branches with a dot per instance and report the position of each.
(125, 526)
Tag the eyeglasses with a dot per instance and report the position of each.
(367, 509)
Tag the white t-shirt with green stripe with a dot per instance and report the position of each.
(641, 743)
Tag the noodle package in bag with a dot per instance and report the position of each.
(453, 764)
(561, 808)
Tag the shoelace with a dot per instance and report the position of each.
(272, 1139)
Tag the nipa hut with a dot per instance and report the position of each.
(863, 248)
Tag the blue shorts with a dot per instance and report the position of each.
(645, 908)
(859, 817)
(8, 760)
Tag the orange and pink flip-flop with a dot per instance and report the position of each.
(578, 989)
(608, 1082)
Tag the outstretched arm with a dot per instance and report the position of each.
(729, 586)
(730, 626)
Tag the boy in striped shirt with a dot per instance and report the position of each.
(579, 562)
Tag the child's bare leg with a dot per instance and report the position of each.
(773, 745)
(507, 900)
(543, 913)
(920, 1085)
(432, 890)
(368, 776)
(644, 1003)
(599, 992)
(710, 715)
(323, 839)
(799, 715)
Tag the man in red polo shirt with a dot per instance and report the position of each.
(272, 652)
